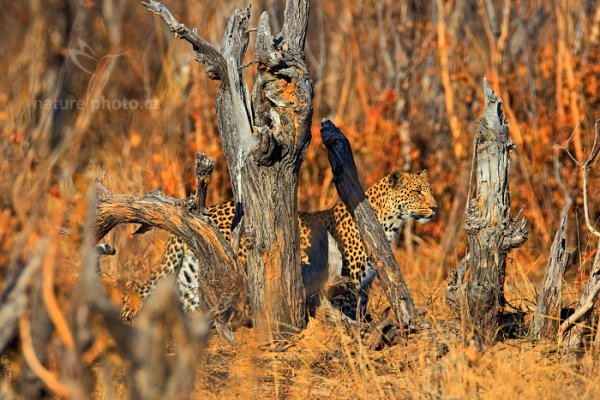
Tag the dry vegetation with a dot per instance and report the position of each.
(402, 78)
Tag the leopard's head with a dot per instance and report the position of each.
(402, 195)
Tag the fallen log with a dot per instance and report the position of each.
(352, 194)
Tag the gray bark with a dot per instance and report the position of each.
(264, 144)
(491, 231)
(352, 194)
(547, 311)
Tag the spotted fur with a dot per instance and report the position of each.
(330, 243)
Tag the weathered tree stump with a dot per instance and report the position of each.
(547, 311)
(352, 194)
(491, 231)
(264, 143)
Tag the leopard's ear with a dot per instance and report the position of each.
(424, 174)
(396, 179)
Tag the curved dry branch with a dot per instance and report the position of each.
(49, 378)
(587, 300)
(223, 285)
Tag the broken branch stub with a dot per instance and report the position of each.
(547, 312)
(352, 194)
(492, 233)
(204, 169)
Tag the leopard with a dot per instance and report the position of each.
(330, 246)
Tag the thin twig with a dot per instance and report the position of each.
(592, 288)
(249, 63)
(585, 166)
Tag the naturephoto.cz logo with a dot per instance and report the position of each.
(97, 104)
(86, 60)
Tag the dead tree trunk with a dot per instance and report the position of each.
(352, 194)
(491, 231)
(264, 142)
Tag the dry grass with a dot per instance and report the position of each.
(330, 360)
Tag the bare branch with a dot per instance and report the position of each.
(587, 300)
(216, 67)
(584, 166)
(13, 300)
(223, 286)
(568, 152)
(352, 194)
(54, 310)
